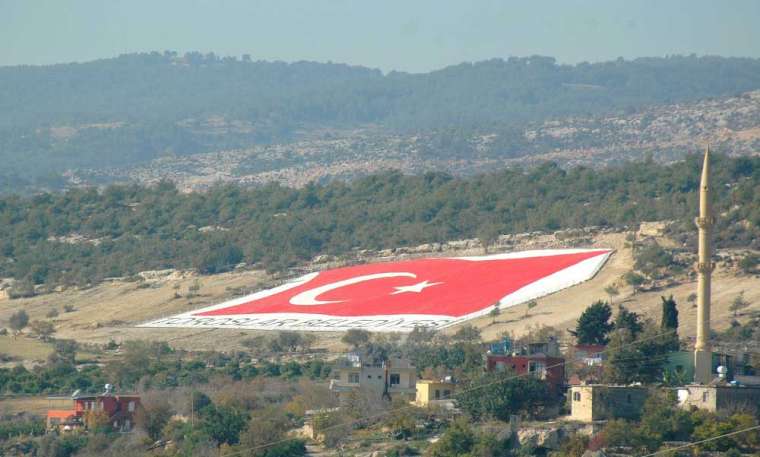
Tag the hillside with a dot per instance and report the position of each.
(111, 310)
(109, 114)
(82, 237)
(664, 132)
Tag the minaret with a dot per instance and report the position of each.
(702, 352)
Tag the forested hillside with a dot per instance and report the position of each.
(134, 108)
(82, 236)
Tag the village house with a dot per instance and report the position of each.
(71, 413)
(390, 378)
(720, 398)
(603, 402)
(538, 359)
(590, 354)
(680, 365)
(435, 393)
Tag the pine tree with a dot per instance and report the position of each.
(594, 324)
(628, 320)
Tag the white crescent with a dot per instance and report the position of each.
(309, 297)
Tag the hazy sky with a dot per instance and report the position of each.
(411, 35)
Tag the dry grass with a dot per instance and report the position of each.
(37, 406)
(562, 309)
(111, 310)
(25, 348)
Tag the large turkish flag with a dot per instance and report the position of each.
(452, 287)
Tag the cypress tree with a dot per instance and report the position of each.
(669, 314)
(670, 322)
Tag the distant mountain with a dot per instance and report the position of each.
(136, 108)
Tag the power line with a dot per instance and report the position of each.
(695, 443)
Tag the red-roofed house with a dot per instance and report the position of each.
(69, 413)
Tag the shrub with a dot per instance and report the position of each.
(18, 320)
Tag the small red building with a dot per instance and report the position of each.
(69, 413)
(550, 369)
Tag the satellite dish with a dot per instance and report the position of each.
(75, 394)
(722, 371)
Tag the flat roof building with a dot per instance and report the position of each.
(720, 398)
(603, 402)
(435, 393)
(394, 377)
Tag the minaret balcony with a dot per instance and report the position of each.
(705, 222)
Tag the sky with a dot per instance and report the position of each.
(404, 35)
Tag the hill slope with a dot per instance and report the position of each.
(664, 132)
(111, 310)
(83, 236)
(136, 108)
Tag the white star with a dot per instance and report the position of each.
(415, 287)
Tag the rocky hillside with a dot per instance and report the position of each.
(666, 133)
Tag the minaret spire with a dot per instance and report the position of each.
(702, 351)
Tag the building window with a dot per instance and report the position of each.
(369, 376)
(353, 377)
(446, 393)
(395, 379)
(705, 396)
(576, 396)
(628, 398)
(537, 368)
(437, 394)
(131, 407)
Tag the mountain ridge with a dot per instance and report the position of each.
(136, 108)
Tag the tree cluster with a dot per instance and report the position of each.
(84, 235)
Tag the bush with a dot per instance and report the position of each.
(42, 329)
(52, 313)
(634, 279)
(652, 258)
(15, 427)
(748, 263)
(18, 320)
(356, 338)
(21, 289)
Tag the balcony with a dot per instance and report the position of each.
(336, 385)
